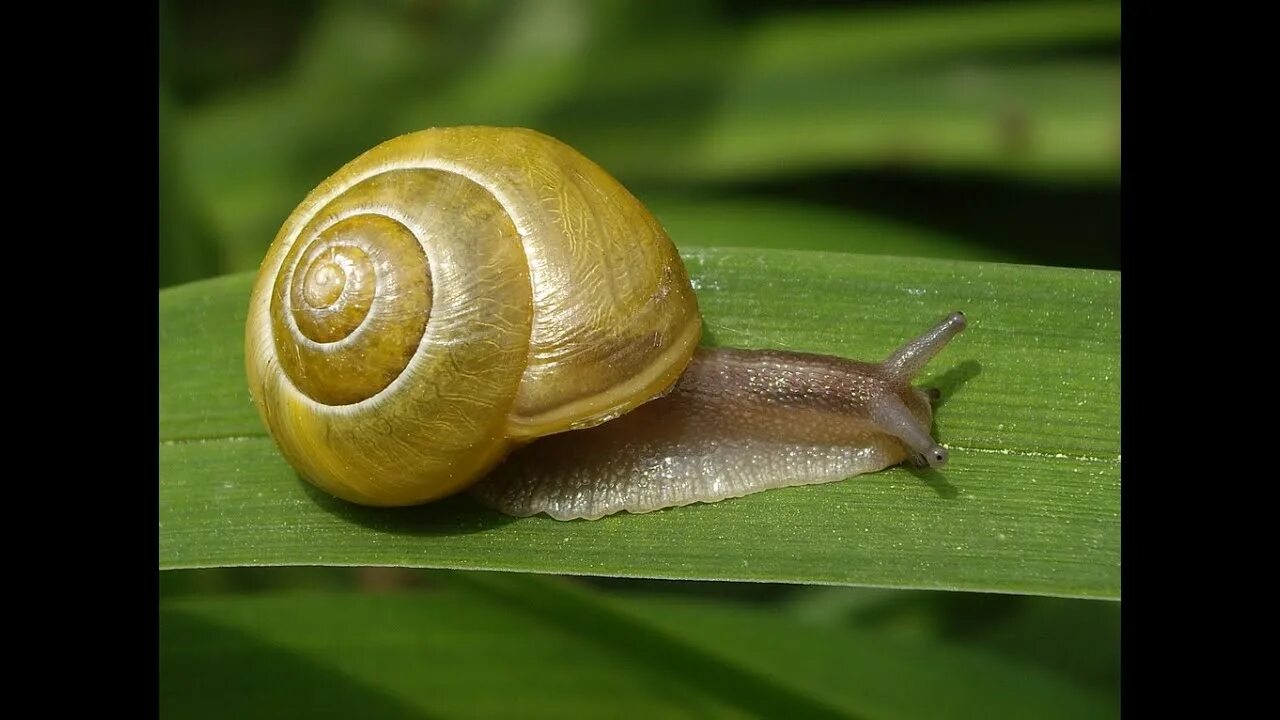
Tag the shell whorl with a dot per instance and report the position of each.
(350, 308)
(450, 294)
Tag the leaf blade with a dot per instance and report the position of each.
(559, 649)
(1029, 503)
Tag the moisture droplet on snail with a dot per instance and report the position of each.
(453, 295)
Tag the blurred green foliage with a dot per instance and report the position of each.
(975, 130)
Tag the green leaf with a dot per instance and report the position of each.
(1078, 639)
(499, 646)
(764, 223)
(1030, 502)
(1046, 120)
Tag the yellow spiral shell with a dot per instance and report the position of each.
(451, 294)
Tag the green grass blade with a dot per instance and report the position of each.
(1058, 121)
(1030, 502)
(760, 223)
(1078, 639)
(559, 650)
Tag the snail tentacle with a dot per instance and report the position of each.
(908, 360)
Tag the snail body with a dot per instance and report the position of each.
(452, 295)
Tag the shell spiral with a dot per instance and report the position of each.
(454, 293)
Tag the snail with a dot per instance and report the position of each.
(454, 294)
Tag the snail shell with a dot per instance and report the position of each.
(454, 294)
